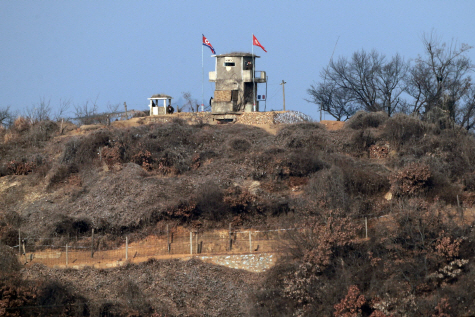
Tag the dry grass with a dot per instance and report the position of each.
(132, 180)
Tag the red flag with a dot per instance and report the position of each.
(208, 44)
(256, 43)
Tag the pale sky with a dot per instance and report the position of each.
(125, 51)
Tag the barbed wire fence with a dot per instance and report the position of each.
(97, 250)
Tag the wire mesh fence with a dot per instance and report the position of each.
(97, 251)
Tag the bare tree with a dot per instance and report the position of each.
(466, 113)
(191, 103)
(62, 109)
(358, 76)
(367, 82)
(335, 101)
(40, 111)
(86, 113)
(112, 110)
(391, 83)
(6, 116)
(439, 78)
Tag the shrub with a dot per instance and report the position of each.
(60, 173)
(363, 120)
(327, 187)
(402, 129)
(458, 149)
(361, 140)
(112, 155)
(9, 236)
(361, 178)
(308, 126)
(144, 159)
(83, 150)
(9, 260)
(173, 162)
(174, 134)
(303, 163)
(365, 182)
(21, 124)
(469, 182)
(137, 305)
(4, 170)
(239, 145)
(269, 299)
(42, 131)
(71, 226)
(199, 158)
(310, 136)
(352, 305)
(43, 166)
(54, 299)
(210, 202)
(22, 167)
(413, 179)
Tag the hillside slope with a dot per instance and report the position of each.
(134, 180)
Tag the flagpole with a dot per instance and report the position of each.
(253, 71)
(202, 80)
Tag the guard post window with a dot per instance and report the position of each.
(227, 64)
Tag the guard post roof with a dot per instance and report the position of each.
(237, 54)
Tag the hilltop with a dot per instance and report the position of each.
(415, 181)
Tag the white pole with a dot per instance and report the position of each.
(366, 227)
(283, 91)
(67, 255)
(126, 248)
(191, 242)
(250, 242)
(253, 70)
(202, 81)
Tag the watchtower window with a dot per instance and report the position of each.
(229, 64)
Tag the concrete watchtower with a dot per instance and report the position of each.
(236, 81)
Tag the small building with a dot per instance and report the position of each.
(236, 81)
(159, 103)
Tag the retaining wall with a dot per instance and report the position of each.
(253, 262)
(207, 117)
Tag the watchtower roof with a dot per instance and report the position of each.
(161, 96)
(237, 54)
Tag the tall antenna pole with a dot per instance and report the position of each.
(283, 90)
(325, 79)
(253, 70)
(202, 81)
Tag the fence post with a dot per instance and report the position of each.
(67, 260)
(19, 242)
(460, 209)
(196, 242)
(191, 242)
(92, 244)
(168, 239)
(366, 227)
(230, 238)
(126, 248)
(250, 242)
